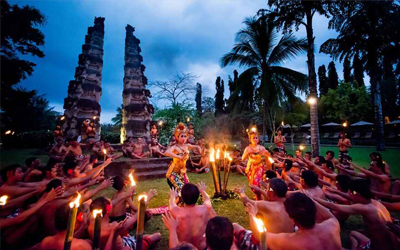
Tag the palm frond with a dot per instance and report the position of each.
(287, 48)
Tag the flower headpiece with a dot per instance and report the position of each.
(252, 131)
(180, 129)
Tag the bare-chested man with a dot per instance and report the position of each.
(138, 150)
(58, 151)
(272, 211)
(192, 218)
(374, 214)
(309, 183)
(156, 149)
(56, 242)
(107, 228)
(75, 150)
(343, 144)
(98, 149)
(310, 235)
(11, 176)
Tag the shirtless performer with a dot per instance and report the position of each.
(204, 160)
(138, 151)
(154, 131)
(75, 150)
(374, 214)
(308, 183)
(156, 149)
(119, 210)
(58, 151)
(125, 240)
(192, 218)
(98, 149)
(280, 140)
(56, 242)
(343, 144)
(272, 210)
(191, 134)
(310, 234)
(11, 176)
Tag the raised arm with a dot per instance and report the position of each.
(380, 177)
(391, 206)
(105, 184)
(15, 191)
(243, 197)
(170, 153)
(190, 146)
(348, 209)
(387, 197)
(172, 205)
(171, 223)
(91, 174)
(206, 199)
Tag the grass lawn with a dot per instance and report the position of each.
(232, 209)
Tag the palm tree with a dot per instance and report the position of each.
(259, 49)
(117, 120)
(369, 30)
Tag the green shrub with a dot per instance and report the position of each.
(31, 139)
(111, 137)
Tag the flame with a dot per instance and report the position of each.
(75, 203)
(271, 160)
(96, 212)
(13, 133)
(283, 124)
(160, 123)
(225, 155)
(133, 183)
(212, 155)
(301, 147)
(62, 118)
(312, 100)
(260, 225)
(104, 151)
(344, 124)
(143, 196)
(254, 129)
(3, 200)
(229, 157)
(188, 119)
(94, 117)
(217, 155)
(8, 132)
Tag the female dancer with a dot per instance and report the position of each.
(256, 165)
(176, 174)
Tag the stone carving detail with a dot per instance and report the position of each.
(82, 104)
(137, 111)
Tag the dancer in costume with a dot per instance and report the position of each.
(257, 157)
(176, 174)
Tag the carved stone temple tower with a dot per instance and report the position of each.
(137, 110)
(82, 104)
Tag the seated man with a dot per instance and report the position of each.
(58, 151)
(138, 149)
(309, 183)
(156, 149)
(310, 234)
(237, 163)
(75, 150)
(272, 210)
(374, 214)
(32, 171)
(308, 155)
(98, 150)
(11, 176)
(330, 156)
(125, 240)
(56, 242)
(127, 149)
(110, 150)
(192, 218)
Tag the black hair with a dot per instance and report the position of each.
(29, 161)
(69, 159)
(7, 169)
(276, 150)
(92, 158)
(55, 183)
(344, 181)
(270, 174)
(288, 165)
(362, 187)
(68, 166)
(51, 163)
(100, 203)
(290, 155)
(279, 186)
(219, 233)
(119, 183)
(236, 150)
(190, 193)
(321, 159)
(329, 164)
(331, 153)
(184, 246)
(301, 209)
(310, 178)
(308, 153)
(61, 217)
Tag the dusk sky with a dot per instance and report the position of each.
(176, 36)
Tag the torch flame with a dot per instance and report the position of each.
(104, 151)
(96, 212)
(344, 124)
(283, 124)
(229, 157)
(3, 200)
(254, 129)
(225, 155)
(260, 225)
(143, 196)
(94, 117)
(75, 203)
(271, 160)
(212, 155)
(301, 147)
(62, 118)
(217, 156)
(8, 132)
(188, 119)
(160, 123)
(133, 183)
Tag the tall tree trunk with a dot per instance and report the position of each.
(264, 117)
(312, 86)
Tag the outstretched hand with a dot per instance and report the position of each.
(151, 194)
(251, 209)
(169, 221)
(106, 183)
(173, 193)
(239, 189)
(202, 187)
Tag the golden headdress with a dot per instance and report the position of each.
(252, 131)
(180, 129)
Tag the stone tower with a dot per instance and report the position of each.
(82, 104)
(137, 110)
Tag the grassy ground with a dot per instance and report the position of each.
(232, 209)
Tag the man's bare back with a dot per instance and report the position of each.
(56, 242)
(275, 217)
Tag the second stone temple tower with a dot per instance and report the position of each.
(137, 111)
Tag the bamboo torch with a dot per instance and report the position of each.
(71, 222)
(214, 172)
(228, 172)
(140, 220)
(105, 154)
(263, 233)
(218, 163)
(223, 183)
(271, 160)
(97, 215)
